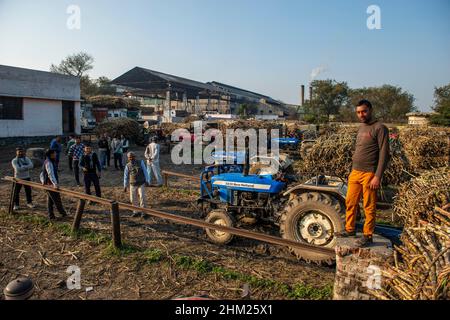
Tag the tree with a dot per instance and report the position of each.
(441, 106)
(74, 65)
(390, 103)
(78, 65)
(247, 109)
(327, 98)
(104, 86)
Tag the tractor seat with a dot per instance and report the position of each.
(261, 169)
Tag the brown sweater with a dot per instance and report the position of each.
(372, 148)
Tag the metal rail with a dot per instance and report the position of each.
(167, 174)
(115, 221)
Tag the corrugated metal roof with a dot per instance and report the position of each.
(136, 78)
(235, 90)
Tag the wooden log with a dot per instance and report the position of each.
(115, 223)
(166, 179)
(11, 199)
(78, 215)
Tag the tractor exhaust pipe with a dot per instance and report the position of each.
(247, 157)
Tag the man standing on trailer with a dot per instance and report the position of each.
(369, 162)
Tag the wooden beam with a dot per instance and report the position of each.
(115, 224)
(78, 214)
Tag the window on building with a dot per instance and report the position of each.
(11, 108)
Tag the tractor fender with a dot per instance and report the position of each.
(301, 188)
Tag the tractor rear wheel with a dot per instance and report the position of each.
(312, 218)
(219, 217)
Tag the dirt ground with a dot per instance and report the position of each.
(160, 259)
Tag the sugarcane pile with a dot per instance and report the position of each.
(422, 262)
(115, 127)
(331, 154)
(426, 147)
(113, 102)
(310, 134)
(168, 127)
(249, 124)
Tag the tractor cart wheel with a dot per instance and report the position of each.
(219, 217)
(312, 218)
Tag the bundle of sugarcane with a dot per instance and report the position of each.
(310, 134)
(250, 124)
(332, 155)
(168, 127)
(117, 126)
(417, 198)
(422, 262)
(108, 101)
(426, 147)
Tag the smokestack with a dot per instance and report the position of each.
(302, 95)
(310, 94)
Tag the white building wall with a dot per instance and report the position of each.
(77, 117)
(40, 118)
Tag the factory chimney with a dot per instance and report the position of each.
(302, 95)
(310, 94)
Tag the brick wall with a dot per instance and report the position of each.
(359, 269)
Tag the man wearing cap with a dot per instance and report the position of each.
(135, 177)
(22, 166)
(152, 156)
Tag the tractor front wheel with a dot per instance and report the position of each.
(219, 217)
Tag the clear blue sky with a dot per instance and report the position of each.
(267, 46)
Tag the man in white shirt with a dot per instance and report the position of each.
(152, 156)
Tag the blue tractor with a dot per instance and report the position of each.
(264, 189)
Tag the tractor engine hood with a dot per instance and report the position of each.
(250, 183)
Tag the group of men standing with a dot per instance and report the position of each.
(136, 174)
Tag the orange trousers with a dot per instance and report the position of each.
(358, 182)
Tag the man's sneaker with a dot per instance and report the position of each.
(63, 214)
(31, 205)
(365, 241)
(51, 217)
(345, 234)
(16, 207)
